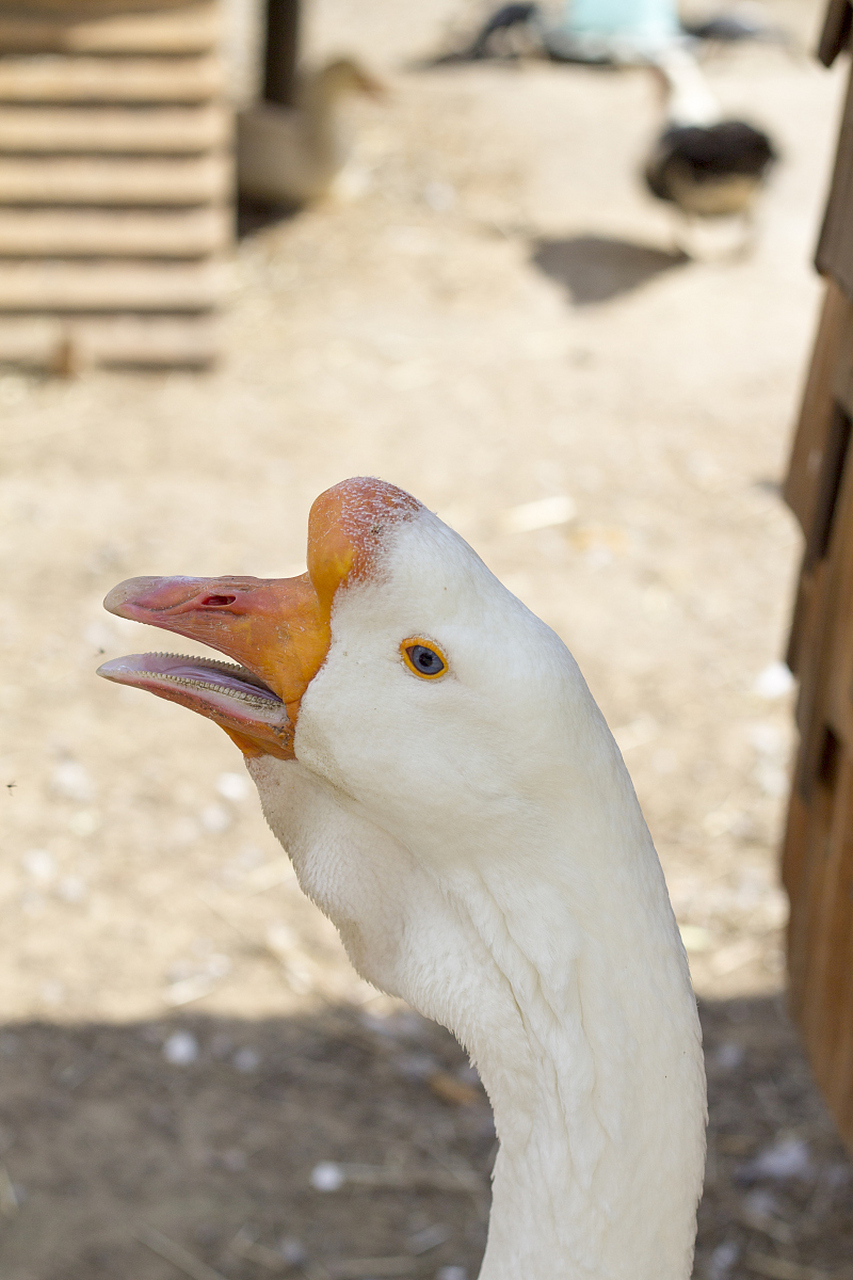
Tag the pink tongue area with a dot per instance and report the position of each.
(177, 677)
(179, 668)
(223, 681)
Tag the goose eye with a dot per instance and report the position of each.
(424, 659)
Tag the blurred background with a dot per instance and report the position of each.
(488, 308)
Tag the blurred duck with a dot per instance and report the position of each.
(291, 155)
(705, 165)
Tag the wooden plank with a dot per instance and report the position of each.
(833, 457)
(121, 79)
(822, 956)
(34, 285)
(841, 1083)
(190, 29)
(73, 343)
(819, 461)
(826, 1010)
(795, 865)
(836, 31)
(837, 618)
(99, 180)
(823, 773)
(78, 10)
(815, 835)
(171, 233)
(130, 130)
(834, 255)
(835, 332)
(833, 1039)
(824, 683)
(811, 649)
(829, 921)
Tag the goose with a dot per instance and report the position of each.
(705, 165)
(428, 753)
(291, 155)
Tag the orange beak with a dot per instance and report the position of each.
(277, 630)
(274, 628)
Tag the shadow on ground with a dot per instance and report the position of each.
(104, 1138)
(596, 268)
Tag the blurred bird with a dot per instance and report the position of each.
(503, 20)
(703, 164)
(728, 28)
(591, 33)
(290, 155)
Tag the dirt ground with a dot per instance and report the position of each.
(490, 313)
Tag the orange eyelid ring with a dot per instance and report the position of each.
(422, 672)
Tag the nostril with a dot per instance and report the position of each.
(217, 601)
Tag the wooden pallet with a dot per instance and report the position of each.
(115, 181)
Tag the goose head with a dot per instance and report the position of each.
(406, 688)
(398, 673)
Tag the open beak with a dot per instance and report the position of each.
(277, 630)
(274, 629)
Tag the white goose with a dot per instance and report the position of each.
(428, 753)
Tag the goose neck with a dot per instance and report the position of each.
(594, 1068)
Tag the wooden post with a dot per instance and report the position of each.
(282, 50)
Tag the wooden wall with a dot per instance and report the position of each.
(818, 850)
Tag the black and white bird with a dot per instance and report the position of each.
(706, 165)
(528, 29)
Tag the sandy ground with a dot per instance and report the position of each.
(493, 315)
